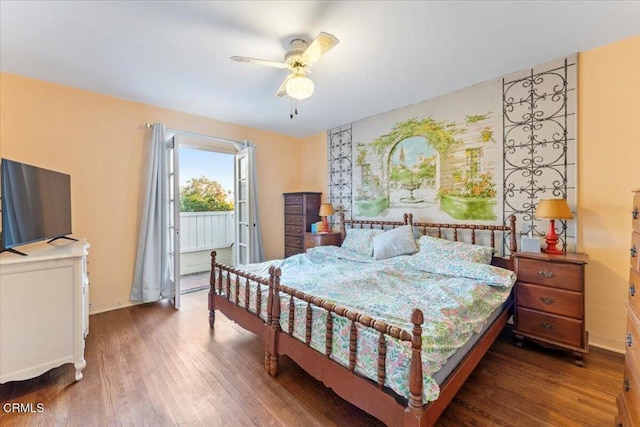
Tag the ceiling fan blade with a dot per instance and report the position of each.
(282, 91)
(259, 61)
(319, 46)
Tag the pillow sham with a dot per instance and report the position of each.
(398, 241)
(360, 240)
(458, 251)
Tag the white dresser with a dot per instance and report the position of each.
(44, 309)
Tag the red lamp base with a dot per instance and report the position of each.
(552, 240)
(325, 224)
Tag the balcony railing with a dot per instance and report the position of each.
(200, 231)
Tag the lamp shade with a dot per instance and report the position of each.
(553, 209)
(299, 87)
(326, 209)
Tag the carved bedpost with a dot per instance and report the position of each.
(275, 322)
(267, 353)
(409, 219)
(343, 230)
(212, 291)
(513, 242)
(415, 410)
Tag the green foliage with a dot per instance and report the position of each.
(203, 195)
(439, 133)
(477, 118)
(480, 187)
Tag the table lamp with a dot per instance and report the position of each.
(326, 210)
(552, 209)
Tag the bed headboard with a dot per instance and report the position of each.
(471, 233)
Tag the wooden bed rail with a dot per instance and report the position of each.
(510, 229)
(221, 287)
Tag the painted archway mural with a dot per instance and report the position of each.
(424, 163)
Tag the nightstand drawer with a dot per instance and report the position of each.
(558, 275)
(550, 327)
(550, 300)
(312, 240)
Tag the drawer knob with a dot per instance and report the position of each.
(546, 273)
(627, 384)
(629, 339)
(634, 213)
(632, 290)
(547, 300)
(548, 325)
(633, 251)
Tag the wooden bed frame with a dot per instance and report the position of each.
(371, 396)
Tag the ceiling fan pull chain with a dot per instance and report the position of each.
(291, 108)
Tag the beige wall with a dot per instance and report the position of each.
(313, 164)
(609, 168)
(99, 141)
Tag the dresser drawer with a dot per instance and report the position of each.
(296, 230)
(293, 199)
(635, 213)
(632, 339)
(293, 209)
(289, 251)
(634, 251)
(550, 300)
(293, 241)
(634, 291)
(550, 327)
(558, 275)
(631, 391)
(293, 220)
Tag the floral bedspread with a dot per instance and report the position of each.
(455, 297)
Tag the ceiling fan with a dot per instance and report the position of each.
(299, 60)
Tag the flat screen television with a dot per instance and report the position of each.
(36, 204)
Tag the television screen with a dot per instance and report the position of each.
(36, 204)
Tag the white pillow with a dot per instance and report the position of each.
(360, 240)
(398, 241)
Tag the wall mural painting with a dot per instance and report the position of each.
(435, 168)
(476, 155)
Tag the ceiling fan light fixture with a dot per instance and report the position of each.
(299, 87)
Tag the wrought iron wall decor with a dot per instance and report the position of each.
(539, 144)
(340, 169)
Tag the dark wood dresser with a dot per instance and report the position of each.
(300, 211)
(550, 301)
(311, 240)
(629, 399)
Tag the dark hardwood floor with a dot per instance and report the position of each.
(153, 365)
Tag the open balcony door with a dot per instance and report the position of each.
(174, 223)
(245, 220)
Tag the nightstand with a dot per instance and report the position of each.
(550, 301)
(311, 240)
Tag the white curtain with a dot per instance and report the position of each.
(151, 279)
(257, 250)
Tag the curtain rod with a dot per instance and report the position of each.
(239, 144)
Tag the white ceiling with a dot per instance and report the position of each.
(175, 54)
